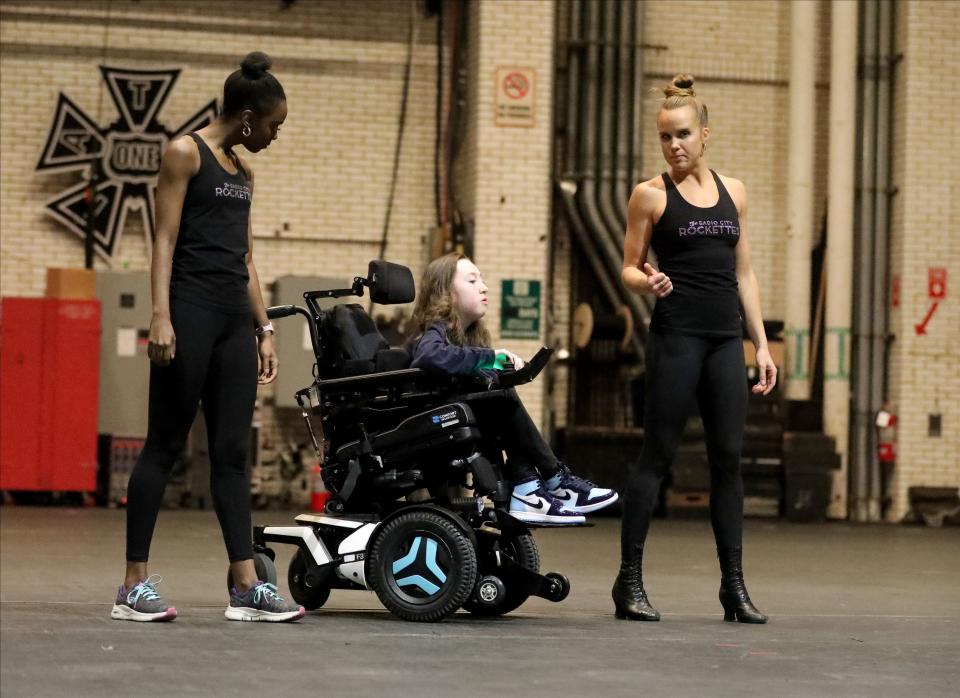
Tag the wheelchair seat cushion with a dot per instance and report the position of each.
(392, 360)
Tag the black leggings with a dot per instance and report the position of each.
(216, 363)
(504, 417)
(679, 369)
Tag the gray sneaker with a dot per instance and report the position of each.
(262, 602)
(141, 602)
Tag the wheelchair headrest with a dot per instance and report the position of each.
(390, 283)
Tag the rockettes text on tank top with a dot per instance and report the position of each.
(696, 247)
(209, 260)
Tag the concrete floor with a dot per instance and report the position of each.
(855, 611)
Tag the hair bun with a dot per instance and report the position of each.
(255, 65)
(684, 82)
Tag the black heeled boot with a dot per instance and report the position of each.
(629, 597)
(733, 592)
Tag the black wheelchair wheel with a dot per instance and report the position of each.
(422, 566)
(310, 597)
(559, 586)
(523, 550)
(266, 570)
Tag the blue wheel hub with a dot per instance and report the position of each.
(421, 570)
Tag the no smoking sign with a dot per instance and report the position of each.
(514, 103)
(515, 85)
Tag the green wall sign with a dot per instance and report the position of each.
(520, 309)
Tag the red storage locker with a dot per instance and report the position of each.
(49, 394)
(71, 380)
(21, 369)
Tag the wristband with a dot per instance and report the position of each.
(497, 363)
(263, 329)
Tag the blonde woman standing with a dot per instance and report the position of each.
(694, 219)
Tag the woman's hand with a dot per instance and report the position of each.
(268, 359)
(658, 282)
(768, 373)
(512, 358)
(162, 346)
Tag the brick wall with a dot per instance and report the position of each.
(322, 187)
(743, 79)
(326, 178)
(924, 375)
(505, 172)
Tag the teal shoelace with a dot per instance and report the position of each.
(266, 590)
(145, 590)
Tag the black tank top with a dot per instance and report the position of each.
(696, 247)
(209, 268)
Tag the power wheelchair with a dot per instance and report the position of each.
(398, 447)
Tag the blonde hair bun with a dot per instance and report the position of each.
(679, 93)
(680, 86)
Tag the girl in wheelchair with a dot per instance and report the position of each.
(449, 337)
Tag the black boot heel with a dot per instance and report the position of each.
(734, 598)
(632, 603)
(630, 600)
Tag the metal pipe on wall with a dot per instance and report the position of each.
(573, 159)
(605, 154)
(836, 389)
(634, 162)
(588, 90)
(802, 145)
(619, 189)
(863, 266)
(583, 69)
(881, 243)
(571, 150)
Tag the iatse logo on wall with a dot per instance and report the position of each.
(125, 154)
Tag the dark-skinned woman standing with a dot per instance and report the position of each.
(210, 340)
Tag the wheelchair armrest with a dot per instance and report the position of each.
(530, 370)
(370, 381)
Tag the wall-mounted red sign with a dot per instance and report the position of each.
(937, 283)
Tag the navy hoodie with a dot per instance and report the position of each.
(434, 352)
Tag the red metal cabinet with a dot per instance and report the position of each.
(21, 368)
(49, 378)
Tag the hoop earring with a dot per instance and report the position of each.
(245, 132)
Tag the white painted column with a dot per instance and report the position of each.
(800, 197)
(509, 155)
(840, 199)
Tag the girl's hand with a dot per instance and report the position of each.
(658, 282)
(511, 357)
(162, 346)
(768, 373)
(268, 359)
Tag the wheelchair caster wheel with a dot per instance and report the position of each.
(263, 563)
(490, 590)
(309, 595)
(522, 550)
(559, 587)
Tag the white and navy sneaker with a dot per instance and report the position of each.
(540, 507)
(579, 495)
